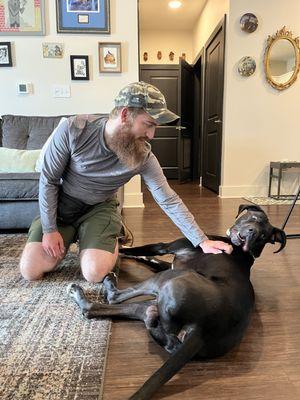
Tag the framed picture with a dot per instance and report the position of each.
(5, 54)
(110, 57)
(83, 16)
(53, 50)
(80, 68)
(22, 17)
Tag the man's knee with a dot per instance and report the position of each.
(96, 264)
(95, 272)
(35, 262)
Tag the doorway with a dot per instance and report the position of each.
(192, 149)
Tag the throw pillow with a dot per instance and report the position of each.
(15, 160)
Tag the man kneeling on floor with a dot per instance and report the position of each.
(86, 161)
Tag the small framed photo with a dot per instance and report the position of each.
(110, 57)
(5, 54)
(80, 68)
(22, 17)
(53, 50)
(83, 16)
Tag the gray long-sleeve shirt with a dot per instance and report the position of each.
(78, 159)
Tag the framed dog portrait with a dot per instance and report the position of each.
(83, 16)
(110, 57)
(80, 68)
(5, 54)
(22, 17)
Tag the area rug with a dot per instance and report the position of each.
(47, 349)
(269, 201)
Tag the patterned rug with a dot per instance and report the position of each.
(47, 349)
(269, 201)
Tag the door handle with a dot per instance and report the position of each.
(218, 121)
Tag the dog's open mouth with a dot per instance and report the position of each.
(238, 240)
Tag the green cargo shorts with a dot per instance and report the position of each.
(96, 229)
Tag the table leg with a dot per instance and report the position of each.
(270, 181)
(279, 182)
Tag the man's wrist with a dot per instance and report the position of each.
(203, 241)
(51, 230)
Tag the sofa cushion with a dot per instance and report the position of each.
(15, 160)
(24, 132)
(19, 186)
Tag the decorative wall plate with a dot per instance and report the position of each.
(249, 22)
(246, 66)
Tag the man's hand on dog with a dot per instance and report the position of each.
(215, 247)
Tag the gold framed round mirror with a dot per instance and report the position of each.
(282, 59)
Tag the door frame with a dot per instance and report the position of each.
(221, 26)
(198, 66)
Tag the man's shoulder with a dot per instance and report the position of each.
(79, 123)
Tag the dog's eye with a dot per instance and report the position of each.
(254, 217)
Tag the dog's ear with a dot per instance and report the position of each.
(279, 236)
(252, 207)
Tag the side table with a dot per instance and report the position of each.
(280, 166)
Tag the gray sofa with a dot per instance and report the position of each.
(19, 191)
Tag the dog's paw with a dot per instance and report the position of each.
(72, 288)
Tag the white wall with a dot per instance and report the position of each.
(261, 124)
(178, 41)
(211, 15)
(95, 95)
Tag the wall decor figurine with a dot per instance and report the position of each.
(80, 68)
(83, 16)
(110, 57)
(183, 56)
(145, 56)
(53, 50)
(159, 55)
(22, 17)
(5, 54)
(246, 66)
(249, 22)
(171, 56)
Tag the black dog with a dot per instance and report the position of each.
(203, 302)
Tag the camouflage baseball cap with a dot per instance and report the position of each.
(149, 98)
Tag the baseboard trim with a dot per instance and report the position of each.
(133, 200)
(242, 191)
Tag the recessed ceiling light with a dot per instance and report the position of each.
(175, 4)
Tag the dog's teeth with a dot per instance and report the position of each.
(228, 232)
(240, 237)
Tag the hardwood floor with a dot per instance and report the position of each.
(266, 365)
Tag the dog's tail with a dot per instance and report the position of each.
(177, 360)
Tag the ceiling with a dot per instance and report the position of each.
(156, 14)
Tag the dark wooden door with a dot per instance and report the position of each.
(165, 143)
(186, 127)
(213, 107)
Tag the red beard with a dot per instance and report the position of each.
(130, 150)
